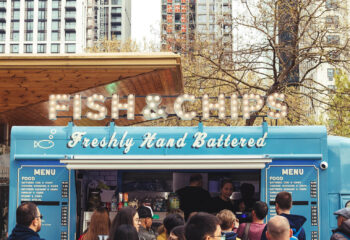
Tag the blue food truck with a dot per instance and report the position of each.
(55, 167)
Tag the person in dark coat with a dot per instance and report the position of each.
(343, 230)
(28, 219)
(194, 198)
(283, 206)
(223, 201)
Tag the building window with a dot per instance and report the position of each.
(55, 48)
(42, 4)
(30, 15)
(330, 74)
(29, 36)
(55, 26)
(70, 25)
(14, 48)
(15, 26)
(70, 36)
(16, 4)
(56, 14)
(41, 48)
(2, 48)
(56, 4)
(29, 4)
(3, 25)
(42, 15)
(28, 48)
(331, 4)
(15, 36)
(116, 2)
(70, 48)
(41, 36)
(55, 36)
(333, 39)
(15, 15)
(41, 26)
(29, 26)
(2, 36)
(332, 21)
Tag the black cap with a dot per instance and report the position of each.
(144, 212)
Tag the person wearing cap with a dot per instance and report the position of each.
(343, 230)
(146, 232)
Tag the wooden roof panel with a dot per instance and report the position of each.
(24, 91)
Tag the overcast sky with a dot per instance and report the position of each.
(145, 20)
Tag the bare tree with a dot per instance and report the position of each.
(277, 47)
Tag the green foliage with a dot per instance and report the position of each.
(339, 113)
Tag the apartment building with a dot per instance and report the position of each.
(209, 20)
(108, 19)
(40, 26)
(55, 26)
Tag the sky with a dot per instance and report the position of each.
(145, 20)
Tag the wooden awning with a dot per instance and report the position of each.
(27, 81)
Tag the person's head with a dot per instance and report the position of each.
(226, 189)
(171, 221)
(347, 204)
(125, 232)
(259, 211)
(178, 233)
(283, 202)
(99, 224)
(203, 226)
(126, 215)
(227, 219)
(342, 215)
(178, 211)
(145, 216)
(278, 228)
(247, 190)
(196, 179)
(28, 214)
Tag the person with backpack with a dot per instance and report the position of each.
(283, 206)
(253, 230)
(343, 230)
(228, 222)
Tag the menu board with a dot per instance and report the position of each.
(48, 187)
(302, 183)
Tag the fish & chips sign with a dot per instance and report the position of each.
(232, 106)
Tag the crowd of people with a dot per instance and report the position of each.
(190, 223)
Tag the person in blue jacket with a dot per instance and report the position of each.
(28, 219)
(283, 206)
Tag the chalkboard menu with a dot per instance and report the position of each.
(48, 187)
(302, 183)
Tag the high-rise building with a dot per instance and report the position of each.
(108, 19)
(40, 26)
(55, 26)
(209, 20)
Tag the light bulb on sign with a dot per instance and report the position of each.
(129, 106)
(207, 106)
(251, 103)
(181, 113)
(275, 102)
(234, 106)
(54, 105)
(151, 110)
(102, 110)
